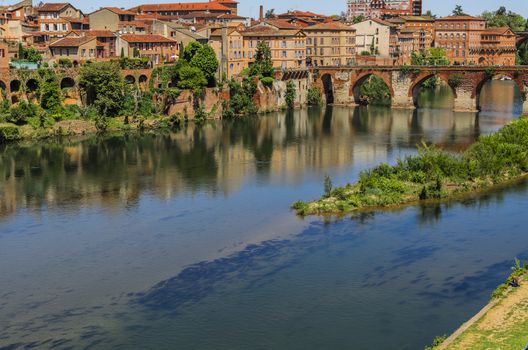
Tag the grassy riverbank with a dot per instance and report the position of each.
(502, 324)
(431, 175)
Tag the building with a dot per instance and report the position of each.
(457, 34)
(156, 48)
(75, 48)
(373, 38)
(288, 46)
(55, 20)
(228, 44)
(174, 11)
(410, 34)
(383, 8)
(176, 32)
(4, 56)
(116, 20)
(497, 47)
(330, 44)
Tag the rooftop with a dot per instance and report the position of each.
(146, 38)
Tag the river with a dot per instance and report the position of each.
(185, 240)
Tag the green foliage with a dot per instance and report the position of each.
(270, 14)
(133, 63)
(291, 94)
(65, 62)
(374, 91)
(191, 50)
(240, 102)
(434, 56)
(29, 54)
(358, 19)
(454, 80)
(521, 58)
(8, 132)
(328, 186)
(23, 111)
(431, 82)
(50, 93)
(518, 270)
(504, 18)
(205, 60)
(267, 81)
(192, 78)
(263, 65)
(314, 96)
(437, 341)
(436, 174)
(103, 86)
(490, 71)
(458, 11)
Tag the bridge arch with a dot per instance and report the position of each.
(32, 85)
(416, 86)
(67, 83)
(503, 76)
(14, 85)
(355, 86)
(328, 87)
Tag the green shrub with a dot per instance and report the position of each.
(20, 113)
(267, 81)
(437, 341)
(314, 96)
(9, 132)
(65, 62)
(291, 94)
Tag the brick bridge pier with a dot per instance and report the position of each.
(342, 84)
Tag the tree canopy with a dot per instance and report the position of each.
(263, 65)
(434, 56)
(458, 11)
(103, 85)
(503, 18)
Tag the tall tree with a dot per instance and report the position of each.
(103, 86)
(458, 11)
(270, 14)
(205, 59)
(263, 65)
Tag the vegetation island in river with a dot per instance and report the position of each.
(433, 174)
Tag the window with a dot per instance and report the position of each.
(284, 54)
(321, 41)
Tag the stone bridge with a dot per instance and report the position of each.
(342, 84)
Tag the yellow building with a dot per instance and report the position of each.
(330, 44)
(288, 46)
(228, 44)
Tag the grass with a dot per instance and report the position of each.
(433, 174)
(504, 326)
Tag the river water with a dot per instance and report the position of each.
(185, 240)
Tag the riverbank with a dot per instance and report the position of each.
(502, 324)
(432, 175)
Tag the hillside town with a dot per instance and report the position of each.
(371, 33)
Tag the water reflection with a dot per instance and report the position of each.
(216, 158)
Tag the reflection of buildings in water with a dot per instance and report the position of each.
(113, 172)
(500, 96)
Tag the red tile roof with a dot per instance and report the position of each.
(281, 24)
(119, 11)
(460, 18)
(71, 41)
(192, 6)
(330, 26)
(52, 7)
(146, 38)
(99, 33)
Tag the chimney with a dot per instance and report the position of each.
(261, 14)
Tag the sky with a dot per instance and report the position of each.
(250, 8)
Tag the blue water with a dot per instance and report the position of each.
(185, 239)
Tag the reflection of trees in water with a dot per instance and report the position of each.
(216, 157)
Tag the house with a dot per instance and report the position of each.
(76, 48)
(156, 48)
(54, 20)
(410, 34)
(4, 56)
(330, 44)
(174, 11)
(457, 35)
(373, 37)
(228, 44)
(176, 32)
(116, 20)
(288, 46)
